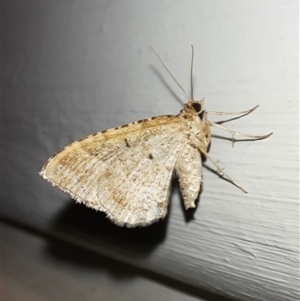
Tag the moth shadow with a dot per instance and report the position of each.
(91, 229)
(82, 259)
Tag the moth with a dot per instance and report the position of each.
(126, 171)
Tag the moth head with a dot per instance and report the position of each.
(197, 107)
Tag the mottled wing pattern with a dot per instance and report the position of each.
(125, 172)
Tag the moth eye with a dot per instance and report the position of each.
(196, 106)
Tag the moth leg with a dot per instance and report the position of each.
(220, 171)
(234, 133)
(233, 113)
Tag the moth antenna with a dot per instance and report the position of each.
(191, 75)
(169, 72)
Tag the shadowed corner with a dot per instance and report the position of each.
(81, 255)
(91, 229)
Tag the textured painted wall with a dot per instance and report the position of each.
(74, 68)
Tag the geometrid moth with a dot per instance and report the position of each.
(126, 171)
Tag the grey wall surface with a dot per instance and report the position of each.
(72, 68)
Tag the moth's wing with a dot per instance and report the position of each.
(188, 169)
(125, 172)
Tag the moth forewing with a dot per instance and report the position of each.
(125, 172)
